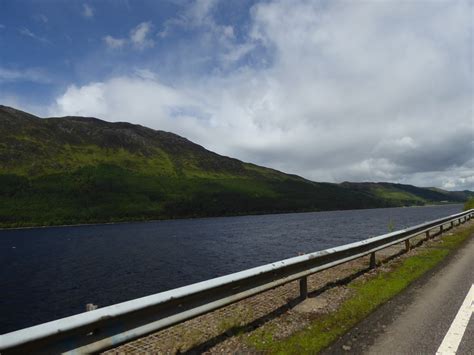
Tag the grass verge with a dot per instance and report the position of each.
(367, 296)
(469, 204)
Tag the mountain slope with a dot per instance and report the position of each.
(80, 169)
(404, 195)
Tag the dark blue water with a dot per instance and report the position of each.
(49, 273)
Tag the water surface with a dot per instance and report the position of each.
(49, 273)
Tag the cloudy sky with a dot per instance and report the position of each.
(354, 90)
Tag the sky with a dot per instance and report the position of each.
(339, 90)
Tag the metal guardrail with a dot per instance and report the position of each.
(111, 326)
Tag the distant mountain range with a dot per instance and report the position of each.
(84, 170)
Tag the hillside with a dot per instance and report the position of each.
(406, 195)
(82, 170)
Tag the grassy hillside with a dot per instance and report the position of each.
(81, 170)
(461, 195)
(469, 204)
(407, 195)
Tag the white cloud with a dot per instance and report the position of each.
(23, 75)
(228, 31)
(197, 14)
(87, 11)
(210, 41)
(145, 74)
(26, 32)
(350, 91)
(138, 38)
(99, 99)
(139, 35)
(114, 43)
(235, 52)
(84, 100)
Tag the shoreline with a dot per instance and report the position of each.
(206, 217)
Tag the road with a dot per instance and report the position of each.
(429, 317)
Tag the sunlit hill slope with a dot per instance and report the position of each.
(81, 170)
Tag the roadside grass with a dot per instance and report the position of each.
(469, 204)
(367, 295)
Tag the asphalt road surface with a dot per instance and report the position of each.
(433, 316)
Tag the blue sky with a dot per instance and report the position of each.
(357, 90)
(60, 42)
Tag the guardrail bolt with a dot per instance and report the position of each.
(373, 262)
(304, 287)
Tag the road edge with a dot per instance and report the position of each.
(384, 314)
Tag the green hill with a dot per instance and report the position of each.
(84, 170)
(406, 195)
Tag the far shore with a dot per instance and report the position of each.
(206, 217)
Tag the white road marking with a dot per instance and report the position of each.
(455, 333)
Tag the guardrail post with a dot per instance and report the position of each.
(304, 287)
(407, 245)
(452, 224)
(373, 262)
(91, 307)
(441, 229)
(427, 235)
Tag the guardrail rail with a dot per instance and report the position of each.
(107, 327)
